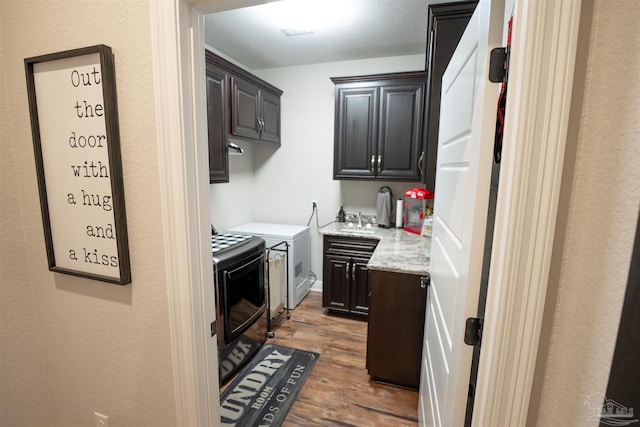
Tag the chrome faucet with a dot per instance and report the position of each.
(359, 219)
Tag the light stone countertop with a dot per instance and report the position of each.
(398, 251)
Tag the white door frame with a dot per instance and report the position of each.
(541, 74)
(541, 78)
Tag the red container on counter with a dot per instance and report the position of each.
(418, 202)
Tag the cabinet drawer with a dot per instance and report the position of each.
(349, 245)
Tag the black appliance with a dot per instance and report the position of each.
(240, 290)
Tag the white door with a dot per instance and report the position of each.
(463, 172)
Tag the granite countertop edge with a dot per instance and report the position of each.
(398, 251)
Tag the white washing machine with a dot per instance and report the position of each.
(298, 260)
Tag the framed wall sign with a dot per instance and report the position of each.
(74, 123)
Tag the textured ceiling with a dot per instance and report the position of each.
(355, 29)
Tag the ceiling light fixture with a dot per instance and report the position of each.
(290, 32)
(297, 17)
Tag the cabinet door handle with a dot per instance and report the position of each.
(373, 164)
(260, 125)
(379, 163)
(353, 271)
(420, 168)
(346, 275)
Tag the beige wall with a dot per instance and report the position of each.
(72, 346)
(597, 219)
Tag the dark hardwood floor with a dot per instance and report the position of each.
(338, 391)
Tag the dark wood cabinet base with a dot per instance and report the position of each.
(345, 286)
(396, 328)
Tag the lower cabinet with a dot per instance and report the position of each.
(396, 327)
(345, 286)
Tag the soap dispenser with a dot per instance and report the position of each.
(341, 214)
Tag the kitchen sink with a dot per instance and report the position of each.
(360, 230)
(363, 229)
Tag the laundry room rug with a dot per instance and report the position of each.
(264, 391)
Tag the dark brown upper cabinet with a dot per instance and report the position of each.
(446, 23)
(239, 105)
(217, 88)
(378, 126)
(255, 111)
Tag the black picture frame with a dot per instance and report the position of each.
(78, 162)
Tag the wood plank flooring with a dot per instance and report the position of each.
(338, 391)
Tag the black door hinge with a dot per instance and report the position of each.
(473, 331)
(214, 327)
(498, 64)
(424, 282)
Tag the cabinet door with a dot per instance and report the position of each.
(359, 301)
(217, 125)
(245, 108)
(336, 282)
(446, 25)
(355, 132)
(396, 327)
(270, 116)
(400, 131)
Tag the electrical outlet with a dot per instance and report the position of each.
(314, 203)
(101, 420)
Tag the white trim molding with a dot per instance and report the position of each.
(540, 84)
(177, 42)
(187, 262)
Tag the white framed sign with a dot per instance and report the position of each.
(76, 141)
